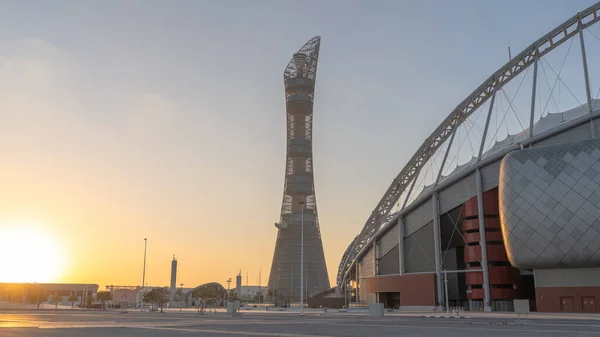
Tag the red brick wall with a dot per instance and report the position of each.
(549, 299)
(502, 278)
(326, 302)
(415, 290)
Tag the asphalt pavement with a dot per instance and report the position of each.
(64, 323)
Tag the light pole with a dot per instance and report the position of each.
(446, 290)
(144, 273)
(25, 299)
(181, 296)
(302, 259)
(345, 284)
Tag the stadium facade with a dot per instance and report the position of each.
(299, 205)
(520, 220)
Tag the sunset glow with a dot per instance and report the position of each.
(29, 255)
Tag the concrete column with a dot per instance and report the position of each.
(483, 243)
(401, 232)
(374, 258)
(357, 282)
(438, 253)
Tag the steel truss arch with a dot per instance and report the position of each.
(539, 48)
(309, 70)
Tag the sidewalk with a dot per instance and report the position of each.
(500, 315)
(440, 314)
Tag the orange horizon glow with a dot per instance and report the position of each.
(29, 254)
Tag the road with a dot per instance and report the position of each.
(134, 324)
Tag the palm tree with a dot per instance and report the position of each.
(56, 298)
(103, 296)
(157, 296)
(89, 300)
(73, 298)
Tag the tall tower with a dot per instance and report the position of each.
(238, 285)
(173, 288)
(299, 203)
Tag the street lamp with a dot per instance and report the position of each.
(144, 273)
(302, 259)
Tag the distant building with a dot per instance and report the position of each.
(33, 293)
(248, 293)
(130, 294)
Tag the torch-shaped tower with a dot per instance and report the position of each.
(299, 203)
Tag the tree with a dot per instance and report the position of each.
(56, 298)
(157, 296)
(73, 298)
(259, 297)
(179, 293)
(41, 294)
(88, 300)
(103, 296)
(32, 294)
(202, 294)
(211, 301)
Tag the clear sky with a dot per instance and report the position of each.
(166, 119)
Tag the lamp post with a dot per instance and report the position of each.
(25, 298)
(302, 259)
(144, 273)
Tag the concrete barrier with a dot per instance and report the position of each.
(376, 310)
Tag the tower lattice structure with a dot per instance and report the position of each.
(299, 203)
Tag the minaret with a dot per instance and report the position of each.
(238, 285)
(299, 203)
(173, 289)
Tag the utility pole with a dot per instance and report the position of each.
(446, 291)
(302, 259)
(144, 273)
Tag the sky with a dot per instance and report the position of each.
(125, 120)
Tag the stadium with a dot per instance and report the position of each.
(502, 201)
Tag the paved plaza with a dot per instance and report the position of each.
(134, 324)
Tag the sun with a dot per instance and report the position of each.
(29, 255)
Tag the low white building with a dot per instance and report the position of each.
(249, 292)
